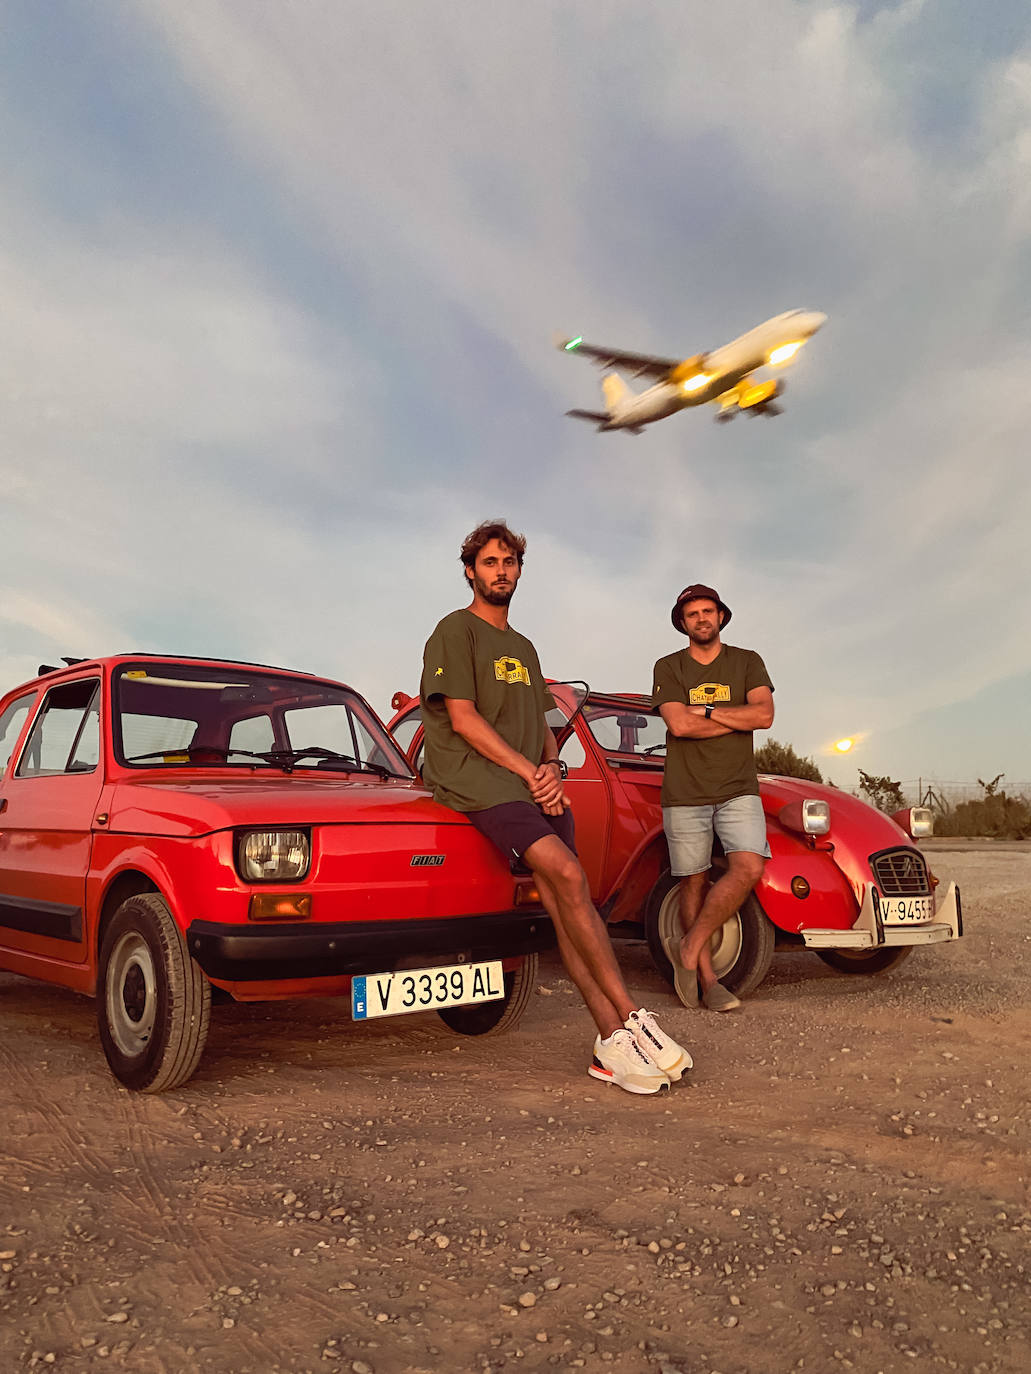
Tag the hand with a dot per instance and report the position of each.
(546, 789)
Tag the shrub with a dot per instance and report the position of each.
(782, 760)
(884, 792)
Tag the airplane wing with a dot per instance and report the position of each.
(639, 364)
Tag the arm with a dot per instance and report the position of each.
(690, 722)
(544, 782)
(481, 736)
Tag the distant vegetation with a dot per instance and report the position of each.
(782, 760)
(996, 814)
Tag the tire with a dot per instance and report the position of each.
(153, 1001)
(865, 960)
(503, 1014)
(742, 949)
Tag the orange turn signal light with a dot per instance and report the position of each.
(280, 906)
(526, 894)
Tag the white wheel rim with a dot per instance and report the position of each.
(131, 994)
(724, 945)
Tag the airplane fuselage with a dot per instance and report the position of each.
(724, 369)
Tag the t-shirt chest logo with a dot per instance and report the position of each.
(707, 692)
(511, 670)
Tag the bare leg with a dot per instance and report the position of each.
(583, 940)
(723, 900)
(693, 892)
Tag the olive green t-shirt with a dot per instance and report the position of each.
(701, 772)
(469, 660)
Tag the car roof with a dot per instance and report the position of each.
(77, 666)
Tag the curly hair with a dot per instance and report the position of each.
(481, 536)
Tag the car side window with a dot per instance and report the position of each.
(404, 730)
(11, 722)
(66, 735)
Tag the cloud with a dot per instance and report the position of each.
(259, 410)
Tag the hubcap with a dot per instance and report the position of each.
(724, 944)
(131, 994)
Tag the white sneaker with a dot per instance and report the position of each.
(659, 1047)
(619, 1060)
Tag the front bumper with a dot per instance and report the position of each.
(870, 932)
(261, 953)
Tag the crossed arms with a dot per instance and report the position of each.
(690, 722)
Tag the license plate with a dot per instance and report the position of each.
(425, 989)
(906, 910)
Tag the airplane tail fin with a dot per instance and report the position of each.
(615, 390)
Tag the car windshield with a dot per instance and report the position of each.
(626, 726)
(185, 715)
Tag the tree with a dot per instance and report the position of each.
(885, 793)
(782, 760)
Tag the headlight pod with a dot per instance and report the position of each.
(273, 856)
(809, 817)
(917, 821)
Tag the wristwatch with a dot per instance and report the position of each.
(709, 709)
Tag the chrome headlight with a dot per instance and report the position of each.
(917, 821)
(273, 856)
(816, 817)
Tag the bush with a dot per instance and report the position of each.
(782, 760)
(885, 792)
(995, 814)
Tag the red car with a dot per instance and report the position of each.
(172, 825)
(844, 879)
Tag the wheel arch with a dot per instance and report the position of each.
(123, 885)
(635, 883)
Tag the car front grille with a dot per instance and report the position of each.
(900, 873)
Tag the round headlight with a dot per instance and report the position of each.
(275, 856)
(816, 817)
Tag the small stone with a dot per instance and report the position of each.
(552, 1284)
(360, 1367)
(527, 1299)
(228, 1323)
(442, 1242)
(118, 1317)
(542, 1336)
(730, 1321)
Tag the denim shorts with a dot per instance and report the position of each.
(740, 824)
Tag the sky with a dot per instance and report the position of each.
(280, 284)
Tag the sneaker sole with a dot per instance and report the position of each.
(607, 1076)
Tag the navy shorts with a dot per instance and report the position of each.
(515, 826)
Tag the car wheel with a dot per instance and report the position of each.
(865, 960)
(742, 948)
(153, 1001)
(504, 1013)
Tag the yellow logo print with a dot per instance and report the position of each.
(707, 692)
(511, 670)
(439, 672)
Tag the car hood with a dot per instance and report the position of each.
(200, 805)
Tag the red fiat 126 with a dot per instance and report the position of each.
(169, 825)
(844, 880)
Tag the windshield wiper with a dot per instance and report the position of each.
(348, 763)
(271, 758)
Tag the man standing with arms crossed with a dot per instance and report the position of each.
(491, 754)
(711, 696)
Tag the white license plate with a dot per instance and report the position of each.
(425, 989)
(906, 910)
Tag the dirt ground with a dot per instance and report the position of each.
(842, 1182)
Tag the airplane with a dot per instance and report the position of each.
(724, 377)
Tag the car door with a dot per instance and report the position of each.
(49, 793)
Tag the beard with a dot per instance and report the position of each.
(494, 596)
(704, 635)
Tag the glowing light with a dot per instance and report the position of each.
(574, 343)
(785, 352)
(696, 382)
(843, 745)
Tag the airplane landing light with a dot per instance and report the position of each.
(696, 382)
(784, 353)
